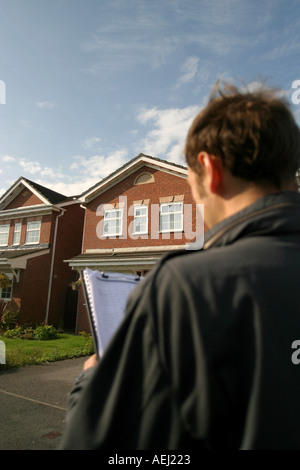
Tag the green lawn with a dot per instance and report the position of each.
(24, 352)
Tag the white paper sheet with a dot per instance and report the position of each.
(106, 295)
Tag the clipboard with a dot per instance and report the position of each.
(106, 296)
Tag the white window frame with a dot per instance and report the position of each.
(17, 233)
(4, 230)
(138, 217)
(108, 218)
(30, 230)
(170, 215)
(7, 291)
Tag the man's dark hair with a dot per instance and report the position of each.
(254, 134)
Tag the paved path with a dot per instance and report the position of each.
(33, 403)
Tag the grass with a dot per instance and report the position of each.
(25, 352)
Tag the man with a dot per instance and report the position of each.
(203, 358)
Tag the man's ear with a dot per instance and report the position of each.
(213, 171)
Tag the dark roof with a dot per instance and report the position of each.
(52, 196)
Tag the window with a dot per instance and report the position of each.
(33, 232)
(112, 223)
(4, 233)
(171, 217)
(140, 219)
(17, 233)
(6, 292)
(144, 178)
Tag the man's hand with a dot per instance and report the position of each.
(90, 362)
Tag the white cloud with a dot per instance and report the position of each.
(45, 104)
(82, 174)
(189, 71)
(8, 158)
(99, 166)
(91, 142)
(170, 127)
(30, 167)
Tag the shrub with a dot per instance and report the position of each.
(13, 333)
(9, 319)
(45, 332)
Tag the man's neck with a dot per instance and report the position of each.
(225, 205)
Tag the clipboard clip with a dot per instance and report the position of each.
(106, 276)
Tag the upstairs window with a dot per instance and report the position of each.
(171, 217)
(33, 232)
(112, 222)
(17, 233)
(140, 220)
(4, 233)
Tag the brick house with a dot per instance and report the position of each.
(39, 228)
(133, 217)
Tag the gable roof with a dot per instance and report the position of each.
(129, 168)
(46, 195)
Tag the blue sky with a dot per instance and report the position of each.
(90, 84)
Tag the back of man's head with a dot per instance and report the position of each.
(253, 133)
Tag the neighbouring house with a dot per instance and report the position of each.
(39, 228)
(133, 217)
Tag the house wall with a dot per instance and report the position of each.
(30, 293)
(68, 244)
(24, 199)
(164, 187)
(32, 290)
(44, 233)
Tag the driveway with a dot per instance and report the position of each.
(33, 402)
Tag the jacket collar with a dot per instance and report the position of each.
(275, 213)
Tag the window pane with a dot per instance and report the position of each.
(140, 221)
(17, 234)
(6, 292)
(112, 224)
(33, 232)
(4, 232)
(140, 225)
(171, 217)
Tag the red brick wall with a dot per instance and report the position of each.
(45, 228)
(68, 245)
(25, 198)
(30, 294)
(33, 289)
(83, 323)
(165, 185)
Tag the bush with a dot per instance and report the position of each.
(9, 319)
(41, 333)
(13, 333)
(45, 332)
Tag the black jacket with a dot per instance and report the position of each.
(205, 356)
